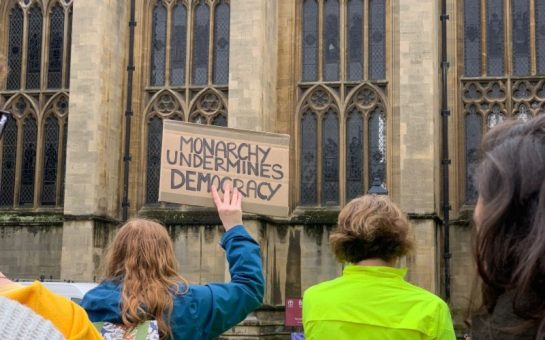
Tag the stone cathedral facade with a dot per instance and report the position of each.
(355, 83)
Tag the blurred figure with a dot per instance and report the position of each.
(67, 317)
(371, 300)
(142, 282)
(510, 232)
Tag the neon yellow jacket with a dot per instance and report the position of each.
(373, 302)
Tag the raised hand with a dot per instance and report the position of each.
(230, 207)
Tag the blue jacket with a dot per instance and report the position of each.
(205, 311)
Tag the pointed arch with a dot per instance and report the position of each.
(165, 104)
(209, 107)
(22, 105)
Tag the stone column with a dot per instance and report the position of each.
(253, 65)
(95, 134)
(416, 80)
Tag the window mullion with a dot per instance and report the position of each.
(168, 44)
(211, 38)
(24, 59)
(65, 46)
(484, 48)
(533, 45)
(365, 35)
(320, 41)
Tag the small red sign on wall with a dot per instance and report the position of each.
(294, 312)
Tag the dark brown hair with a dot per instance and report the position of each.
(371, 227)
(510, 236)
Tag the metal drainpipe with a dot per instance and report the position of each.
(128, 114)
(445, 161)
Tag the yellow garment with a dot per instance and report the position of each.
(69, 318)
(374, 302)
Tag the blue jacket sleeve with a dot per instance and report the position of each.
(232, 302)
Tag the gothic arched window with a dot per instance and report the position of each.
(189, 72)
(33, 149)
(343, 114)
(497, 82)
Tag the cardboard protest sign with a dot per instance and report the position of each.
(196, 157)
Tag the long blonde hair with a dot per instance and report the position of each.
(141, 257)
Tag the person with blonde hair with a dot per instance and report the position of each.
(142, 282)
(371, 300)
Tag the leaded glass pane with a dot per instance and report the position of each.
(28, 168)
(201, 36)
(354, 155)
(220, 120)
(330, 168)
(51, 149)
(310, 40)
(354, 27)
(34, 48)
(178, 45)
(521, 37)
(68, 52)
(473, 134)
(377, 41)
(331, 44)
(377, 147)
(221, 44)
(56, 42)
(15, 49)
(309, 193)
(495, 36)
(472, 38)
(523, 113)
(64, 142)
(540, 35)
(495, 117)
(9, 152)
(158, 45)
(155, 135)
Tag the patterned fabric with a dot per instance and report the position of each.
(148, 330)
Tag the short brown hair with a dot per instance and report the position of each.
(371, 227)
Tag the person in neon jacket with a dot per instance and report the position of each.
(371, 300)
(142, 282)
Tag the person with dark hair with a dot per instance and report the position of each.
(371, 300)
(509, 245)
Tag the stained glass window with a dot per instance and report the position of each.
(50, 161)
(63, 177)
(15, 49)
(354, 27)
(354, 155)
(220, 121)
(221, 44)
(28, 167)
(158, 48)
(56, 42)
(472, 38)
(495, 36)
(330, 151)
(178, 45)
(34, 62)
(309, 192)
(495, 117)
(155, 135)
(331, 40)
(9, 152)
(473, 133)
(68, 52)
(377, 148)
(310, 40)
(377, 39)
(521, 37)
(540, 35)
(201, 36)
